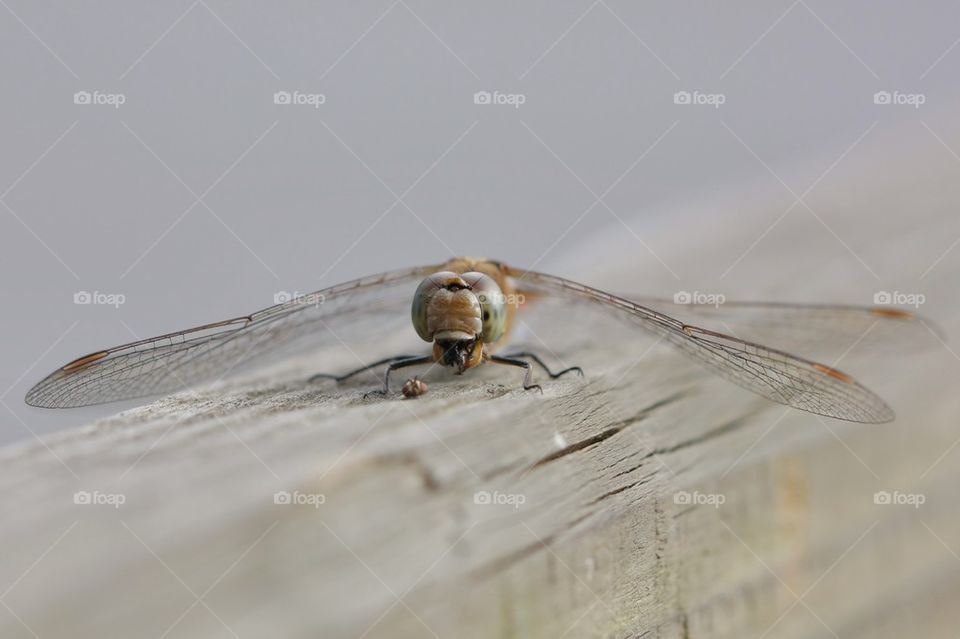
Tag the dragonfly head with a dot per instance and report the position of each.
(459, 313)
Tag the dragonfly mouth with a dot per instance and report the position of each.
(457, 352)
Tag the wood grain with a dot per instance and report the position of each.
(648, 499)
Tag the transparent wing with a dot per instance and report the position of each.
(174, 361)
(774, 374)
(811, 330)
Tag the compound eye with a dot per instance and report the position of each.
(421, 300)
(493, 306)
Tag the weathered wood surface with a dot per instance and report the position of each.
(599, 546)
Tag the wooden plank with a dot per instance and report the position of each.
(588, 531)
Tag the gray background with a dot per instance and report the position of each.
(292, 198)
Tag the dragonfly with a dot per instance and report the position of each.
(466, 309)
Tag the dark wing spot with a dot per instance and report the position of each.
(86, 360)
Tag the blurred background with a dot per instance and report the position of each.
(170, 164)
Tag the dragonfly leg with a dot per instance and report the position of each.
(537, 360)
(403, 363)
(346, 376)
(527, 377)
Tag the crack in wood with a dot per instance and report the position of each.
(606, 433)
(617, 491)
(727, 427)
